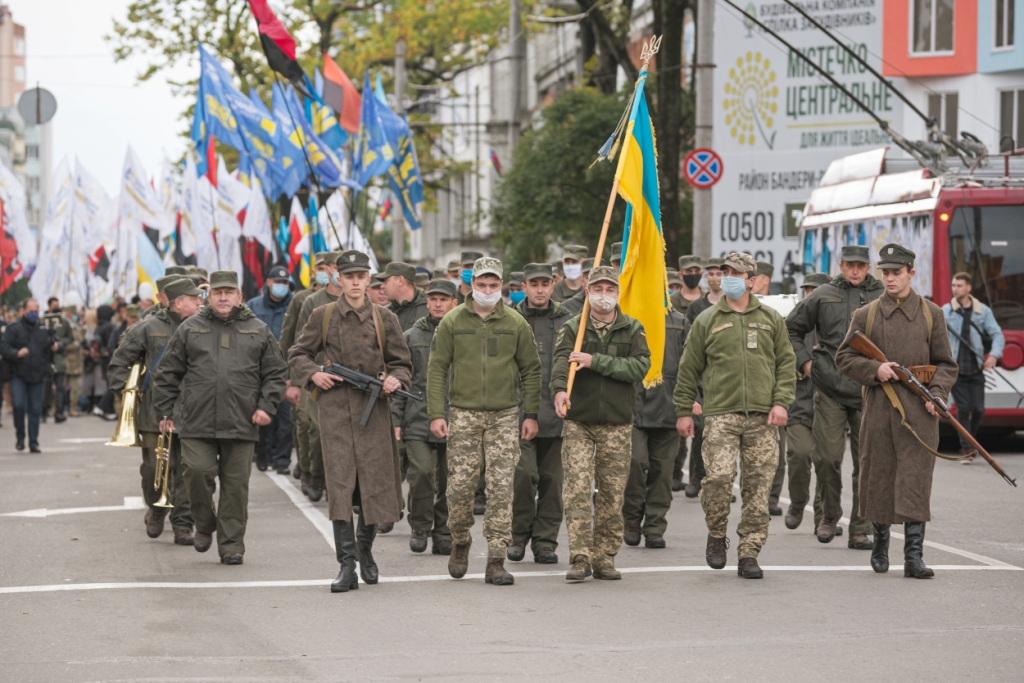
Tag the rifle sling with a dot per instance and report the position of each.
(325, 326)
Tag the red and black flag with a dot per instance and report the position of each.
(99, 263)
(278, 44)
(10, 266)
(341, 96)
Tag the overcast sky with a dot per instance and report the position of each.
(100, 109)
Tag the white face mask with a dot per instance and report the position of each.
(602, 303)
(487, 300)
(573, 271)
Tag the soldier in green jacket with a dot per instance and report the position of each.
(427, 454)
(572, 266)
(146, 342)
(574, 305)
(691, 270)
(741, 351)
(489, 350)
(227, 368)
(60, 329)
(537, 504)
(598, 423)
(837, 399)
(408, 302)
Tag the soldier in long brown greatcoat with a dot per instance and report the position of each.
(895, 469)
(360, 463)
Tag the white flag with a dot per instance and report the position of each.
(257, 220)
(91, 222)
(334, 213)
(12, 193)
(197, 217)
(49, 278)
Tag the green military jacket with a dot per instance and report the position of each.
(680, 303)
(827, 312)
(574, 306)
(411, 416)
(411, 311)
(62, 331)
(545, 323)
(488, 358)
(605, 392)
(224, 371)
(697, 307)
(744, 359)
(290, 329)
(654, 408)
(143, 341)
(152, 310)
(563, 292)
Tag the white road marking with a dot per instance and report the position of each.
(63, 587)
(87, 439)
(312, 513)
(130, 503)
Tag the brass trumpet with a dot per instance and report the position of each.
(126, 435)
(163, 467)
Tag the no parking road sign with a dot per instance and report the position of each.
(702, 168)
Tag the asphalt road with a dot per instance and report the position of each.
(86, 596)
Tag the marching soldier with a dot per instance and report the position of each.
(691, 270)
(896, 466)
(375, 291)
(147, 342)
(572, 266)
(743, 348)
(648, 495)
(763, 278)
(574, 304)
(408, 302)
(466, 274)
(360, 463)
(837, 399)
(598, 422)
(227, 368)
(427, 454)
(537, 501)
(489, 351)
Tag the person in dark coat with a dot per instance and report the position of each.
(25, 346)
(360, 463)
(895, 468)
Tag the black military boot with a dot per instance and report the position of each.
(315, 490)
(345, 544)
(913, 549)
(516, 551)
(880, 549)
(749, 569)
(364, 546)
(715, 553)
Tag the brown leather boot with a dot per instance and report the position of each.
(827, 530)
(794, 516)
(183, 537)
(154, 522)
(580, 569)
(496, 573)
(631, 535)
(202, 542)
(458, 562)
(715, 553)
(604, 568)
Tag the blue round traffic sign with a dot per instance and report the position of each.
(702, 168)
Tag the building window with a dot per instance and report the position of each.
(932, 26)
(943, 107)
(31, 151)
(32, 184)
(1011, 119)
(1002, 23)
(19, 47)
(19, 73)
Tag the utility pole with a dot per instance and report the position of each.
(705, 72)
(397, 217)
(515, 45)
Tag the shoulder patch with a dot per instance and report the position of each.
(721, 327)
(762, 326)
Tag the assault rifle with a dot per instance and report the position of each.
(867, 348)
(371, 385)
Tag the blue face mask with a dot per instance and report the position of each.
(323, 279)
(336, 279)
(734, 287)
(279, 290)
(32, 317)
(467, 276)
(517, 297)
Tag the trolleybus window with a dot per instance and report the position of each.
(988, 243)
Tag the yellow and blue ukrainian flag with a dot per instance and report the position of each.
(643, 285)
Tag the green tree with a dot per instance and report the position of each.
(550, 194)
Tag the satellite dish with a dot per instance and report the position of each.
(37, 106)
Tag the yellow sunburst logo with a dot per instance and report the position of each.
(750, 95)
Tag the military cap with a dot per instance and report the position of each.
(575, 251)
(894, 256)
(398, 268)
(606, 273)
(422, 280)
(487, 265)
(765, 268)
(321, 258)
(816, 280)
(853, 253)
(556, 266)
(690, 261)
(470, 257)
(279, 273)
(355, 261)
(715, 262)
(616, 250)
(438, 272)
(201, 272)
(183, 286)
(587, 265)
(162, 282)
(132, 311)
(516, 278)
(195, 279)
(673, 276)
(442, 286)
(537, 270)
(376, 281)
(176, 270)
(454, 264)
(741, 263)
(224, 278)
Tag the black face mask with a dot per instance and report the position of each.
(691, 280)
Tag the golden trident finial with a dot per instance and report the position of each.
(649, 49)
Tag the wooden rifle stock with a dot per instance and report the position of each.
(865, 347)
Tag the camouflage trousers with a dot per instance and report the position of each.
(601, 453)
(482, 439)
(756, 443)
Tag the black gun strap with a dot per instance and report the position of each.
(152, 368)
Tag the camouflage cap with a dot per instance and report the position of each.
(355, 261)
(183, 286)
(398, 268)
(894, 256)
(516, 278)
(470, 257)
(538, 270)
(162, 282)
(201, 272)
(422, 280)
(715, 262)
(442, 286)
(224, 279)
(176, 270)
(816, 280)
(487, 265)
(587, 265)
(605, 273)
(673, 277)
(690, 261)
(132, 311)
(454, 264)
(852, 253)
(765, 268)
(575, 251)
(741, 263)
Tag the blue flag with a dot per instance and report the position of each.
(298, 134)
(406, 181)
(322, 119)
(217, 115)
(199, 136)
(379, 132)
(292, 164)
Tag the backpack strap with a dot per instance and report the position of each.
(325, 326)
(927, 319)
(378, 328)
(872, 312)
